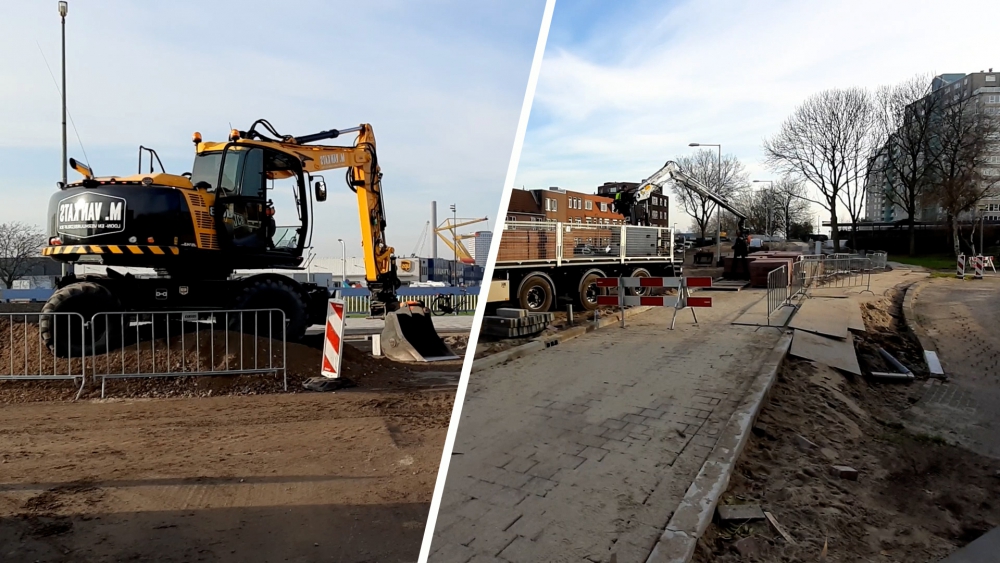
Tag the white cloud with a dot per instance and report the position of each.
(441, 83)
(725, 72)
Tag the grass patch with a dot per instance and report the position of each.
(931, 261)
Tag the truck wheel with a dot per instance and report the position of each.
(270, 293)
(588, 290)
(69, 335)
(535, 294)
(640, 291)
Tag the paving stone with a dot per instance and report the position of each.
(738, 512)
(845, 472)
(452, 553)
(539, 486)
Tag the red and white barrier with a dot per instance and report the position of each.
(682, 300)
(977, 265)
(960, 272)
(333, 344)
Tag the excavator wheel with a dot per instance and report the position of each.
(271, 293)
(63, 334)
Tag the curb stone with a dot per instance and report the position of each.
(694, 513)
(539, 344)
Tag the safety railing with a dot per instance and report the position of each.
(878, 259)
(834, 270)
(777, 290)
(460, 302)
(558, 243)
(186, 343)
(42, 346)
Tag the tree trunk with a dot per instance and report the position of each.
(913, 236)
(954, 235)
(834, 230)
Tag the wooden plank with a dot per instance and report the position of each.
(832, 352)
(774, 522)
(822, 316)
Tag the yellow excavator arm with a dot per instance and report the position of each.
(364, 178)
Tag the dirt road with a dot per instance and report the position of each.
(343, 476)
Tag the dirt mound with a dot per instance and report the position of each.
(917, 498)
(244, 365)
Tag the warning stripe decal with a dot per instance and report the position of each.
(109, 249)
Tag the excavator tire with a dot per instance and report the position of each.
(62, 333)
(271, 293)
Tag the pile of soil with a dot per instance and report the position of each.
(917, 498)
(223, 351)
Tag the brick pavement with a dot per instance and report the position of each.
(959, 319)
(584, 450)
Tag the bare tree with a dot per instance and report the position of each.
(961, 171)
(19, 243)
(902, 163)
(790, 198)
(827, 141)
(761, 210)
(703, 166)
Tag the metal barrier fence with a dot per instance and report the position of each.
(878, 259)
(461, 302)
(834, 270)
(777, 290)
(184, 343)
(24, 347)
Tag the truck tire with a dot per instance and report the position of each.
(271, 293)
(640, 291)
(588, 291)
(536, 293)
(62, 334)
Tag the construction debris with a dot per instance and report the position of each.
(739, 513)
(513, 323)
(777, 527)
(844, 472)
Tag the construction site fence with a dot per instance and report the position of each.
(831, 270)
(777, 290)
(184, 343)
(113, 345)
(24, 354)
(461, 302)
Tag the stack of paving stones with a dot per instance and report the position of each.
(512, 323)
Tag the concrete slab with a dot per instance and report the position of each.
(983, 550)
(832, 352)
(854, 319)
(828, 317)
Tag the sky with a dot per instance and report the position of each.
(441, 83)
(626, 86)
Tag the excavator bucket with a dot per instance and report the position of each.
(409, 336)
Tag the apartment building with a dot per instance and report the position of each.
(982, 91)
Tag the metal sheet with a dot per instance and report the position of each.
(828, 317)
(832, 352)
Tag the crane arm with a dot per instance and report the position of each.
(672, 173)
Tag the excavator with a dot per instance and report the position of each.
(198, 228)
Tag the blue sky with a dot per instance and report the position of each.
(625, 86)
(441, 82)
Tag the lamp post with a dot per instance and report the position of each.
(454, 241)
(718, 209)
(343, 262)
(63, 11)
(768, 202)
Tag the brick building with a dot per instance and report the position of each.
(524, 205)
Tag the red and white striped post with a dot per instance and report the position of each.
(333, 343)
(960, 273)
(977, 264)
(682, 300)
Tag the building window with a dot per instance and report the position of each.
(589, 205)
(604, 207)
(991, 78)
(550, 204)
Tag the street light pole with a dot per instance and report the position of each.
(718, 209)
(343, 262)
(63, 11)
